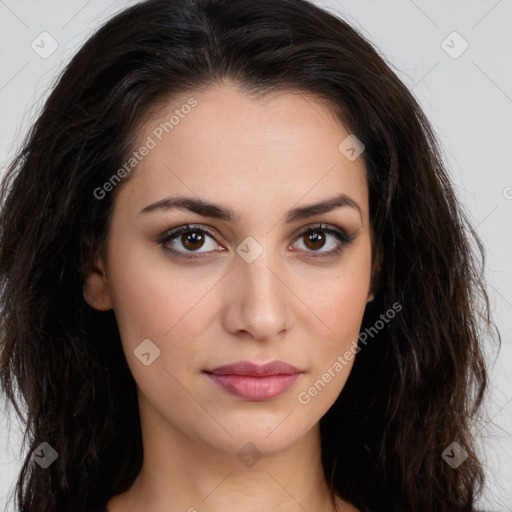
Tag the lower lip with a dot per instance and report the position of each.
(256, 389)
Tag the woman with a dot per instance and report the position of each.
(236, 276)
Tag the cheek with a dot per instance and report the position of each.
(338, 301)
(172, 316)
(171, 308)
(341, 310)
(151, 294)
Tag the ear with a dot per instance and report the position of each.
(96, 289)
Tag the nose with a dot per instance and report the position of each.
(258, 303)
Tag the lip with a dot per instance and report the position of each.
(256, 370)
(255, 382)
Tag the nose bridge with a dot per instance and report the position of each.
(261, 279)
(260, 299)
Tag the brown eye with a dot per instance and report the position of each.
(319, 237)
(192, 240)
(314, 240)
(187, 240)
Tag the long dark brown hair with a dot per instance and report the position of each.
(418, 384)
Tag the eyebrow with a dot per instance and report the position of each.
(208, 209)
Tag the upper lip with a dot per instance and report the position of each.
(255, 369)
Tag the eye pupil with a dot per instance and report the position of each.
(315, 238)
(194, 237)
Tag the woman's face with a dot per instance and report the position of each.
(253, 287)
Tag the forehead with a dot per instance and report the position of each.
(222, 144)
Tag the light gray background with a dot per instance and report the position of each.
(467, 98)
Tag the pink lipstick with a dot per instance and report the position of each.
(255, 382)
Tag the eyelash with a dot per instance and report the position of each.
(344, 239)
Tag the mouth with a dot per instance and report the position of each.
(255, 382)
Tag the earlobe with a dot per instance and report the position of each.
(96, 289)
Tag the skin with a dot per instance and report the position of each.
(260, 157)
